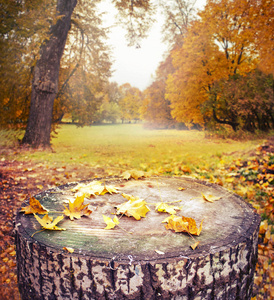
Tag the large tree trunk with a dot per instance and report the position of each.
(45, 79)
(150, 263)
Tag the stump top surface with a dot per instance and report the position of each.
(226, 221)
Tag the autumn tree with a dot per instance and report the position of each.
(244, 101)
(23, 27)
(156, 108)
(218, 45)
(130, 103)
(46, 70)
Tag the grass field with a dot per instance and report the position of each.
(132, 146)
(243, 167)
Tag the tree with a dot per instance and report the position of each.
(130, 103)
(45, 78)
(217, 46)
(46, 71)
(156, 108)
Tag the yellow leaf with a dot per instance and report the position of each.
(166, 220)
(93, 188)
(35, 207)
(181, 189)
(111, 223)
(164, 207)
(68, 249)
(108, 189)
(48, 223)
(195, 245)
(160, 252)
(134, 207)
(76, 209)
(133, 174)
(184, 224)
(210, 198)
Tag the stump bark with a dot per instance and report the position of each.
(149, 263)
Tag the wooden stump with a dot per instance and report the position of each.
(150, 263)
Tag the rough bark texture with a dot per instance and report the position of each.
(45, 79)
(221, 268)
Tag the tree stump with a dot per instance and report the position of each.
(149, 263)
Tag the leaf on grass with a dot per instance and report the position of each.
(35, 207)
(210, 198)
(164, 207)
(111, 223)
(134, 207)
(195, 245)
(68, 249)
(183, 224)
(94, 188)
(48, 223)
(76, 209)
(133, 174)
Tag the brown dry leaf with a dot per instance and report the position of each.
(76, 209)
(35, 207)
(183, 224)
(210, 198)
(134, 207)
(195, 245)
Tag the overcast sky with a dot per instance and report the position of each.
(136, 66)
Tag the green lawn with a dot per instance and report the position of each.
(132, 146)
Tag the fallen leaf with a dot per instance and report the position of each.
(94, 188)
(181, 189)
(210, 198)
(133, 174)
(111, 223)
(76, 209)
(164, 207)
(160, 252)
(134, 207)
(183, 224)
(108, 189)
(195, 245)
(68, 249)
(48, 223)
(35, 207)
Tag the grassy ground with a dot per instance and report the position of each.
(246, 168)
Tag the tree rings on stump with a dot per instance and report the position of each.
(145, 260)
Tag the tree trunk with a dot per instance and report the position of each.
(45, 79)
(150, 262)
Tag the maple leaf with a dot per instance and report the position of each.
(195, 245)
(108, 189)
(76, 209)
(164, 207)
(93, 188)
(34, 207)
(68, 249)
(48, 223)
(210, 198)
(111, 223)
(134, 207)
(183, 224)
(133, 174)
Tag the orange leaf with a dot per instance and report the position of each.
(76, 209)
(35, 207)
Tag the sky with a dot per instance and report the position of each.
(133, 65)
